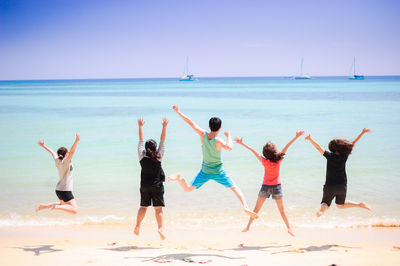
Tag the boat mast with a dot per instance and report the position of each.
(301, 67)
(187, 65)
(354, 63)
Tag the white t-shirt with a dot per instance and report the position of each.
(64, 168)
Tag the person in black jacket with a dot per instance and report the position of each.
(152, 177)
(336, 178)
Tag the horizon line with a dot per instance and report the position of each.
(177, 78)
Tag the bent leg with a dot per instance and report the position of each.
(69, 206)
(140, 216)
(329, 193)
(47, 206)
(352, 204)
(281, 208)
(159, 218)
(257, 208)
(321, 211)
(242, 200)
(182, 182)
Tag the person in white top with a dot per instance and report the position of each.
(64, 186)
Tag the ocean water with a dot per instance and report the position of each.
(107, 171)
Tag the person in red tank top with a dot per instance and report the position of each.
(271, 175)
(271, 160)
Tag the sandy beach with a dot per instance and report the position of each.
(277, 107)
(116, 245)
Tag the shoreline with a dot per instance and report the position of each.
(106, 245)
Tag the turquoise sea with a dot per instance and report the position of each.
(107, 171)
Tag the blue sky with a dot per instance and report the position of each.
(133, 39)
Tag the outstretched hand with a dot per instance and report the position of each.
(41, 143)
(239, 140)
(175, 107)
(308, 137)
(77, 137)
(140, 121)
(299, 133)
(164, 122)
(366, 130)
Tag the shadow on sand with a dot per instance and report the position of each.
(42, 249)
(181, 256)
(245, 248)
(313, 248)
(126, 248)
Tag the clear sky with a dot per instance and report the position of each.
(57, 39)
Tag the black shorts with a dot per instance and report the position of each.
(152, 194)
(64, 195)
(331, 192)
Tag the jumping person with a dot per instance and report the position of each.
(64, 186)
(151, 178)
(336, 178)
(271, 160)
(212, 165)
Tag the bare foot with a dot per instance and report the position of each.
(290, 232)
(252, 214)
(365, 206)
(40, 207)
(136, 230)
(245, 230)
(319, 213)
(161, 233)
(174, 177)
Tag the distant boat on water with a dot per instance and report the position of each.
(302, 75)
(186, 76)
(354, 76)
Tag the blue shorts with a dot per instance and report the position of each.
(221, 178)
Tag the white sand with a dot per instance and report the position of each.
(94, 245)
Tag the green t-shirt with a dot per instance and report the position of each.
(211, 156)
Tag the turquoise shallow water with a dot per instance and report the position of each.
(107, 173)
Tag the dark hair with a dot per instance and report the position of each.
(215, 123)
(61, 152)
(151, 150)
(271, 153)
(341, 146)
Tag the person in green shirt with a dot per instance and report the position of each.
(212, 165)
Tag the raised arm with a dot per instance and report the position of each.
(298, 134)
(365, 130)
(195, 127)
(161, 147)
(73, 148)
(164, 124)
(316, 145)
(141, 123)
(43, 145)
(141, 151)
(240, 141)
(221, 144)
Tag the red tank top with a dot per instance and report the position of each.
(271, 175)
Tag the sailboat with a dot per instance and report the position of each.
(354, 76)
(186, 76)
(302, 76)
